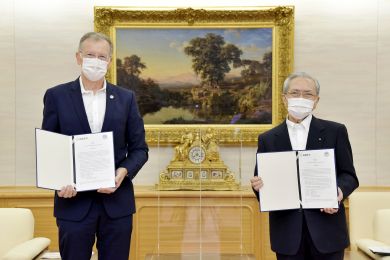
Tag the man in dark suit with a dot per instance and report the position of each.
(89, 105)
(309, 233)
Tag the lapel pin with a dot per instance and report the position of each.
(111, 96)
(320, 139)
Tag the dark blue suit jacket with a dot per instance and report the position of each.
(64, 113)
(329, 232)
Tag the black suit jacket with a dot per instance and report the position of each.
(328, 232)
(64, 113)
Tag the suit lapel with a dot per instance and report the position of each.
(282, 140)
(316, 137)
(110, 102)
(77, 99)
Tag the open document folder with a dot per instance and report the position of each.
(297, 179)
(86, 161)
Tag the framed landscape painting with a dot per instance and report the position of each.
(202, 68)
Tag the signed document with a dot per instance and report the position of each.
(85, 161)
(317, 176)
(297, 179)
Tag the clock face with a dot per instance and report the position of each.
(196, 154)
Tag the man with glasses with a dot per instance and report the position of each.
(90, 104)
(309, 233)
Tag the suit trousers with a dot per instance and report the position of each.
(308, 251)
(76, 238)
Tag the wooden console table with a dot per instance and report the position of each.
(198, 256)
(173, 222)
(226, 222)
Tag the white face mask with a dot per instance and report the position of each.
(94, 69)
(300, 108)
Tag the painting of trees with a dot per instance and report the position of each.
(211, 57)
(201, 76)
(147, 91)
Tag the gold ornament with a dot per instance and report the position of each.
(197, 165)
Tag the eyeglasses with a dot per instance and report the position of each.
(93, 56)
(304, 94)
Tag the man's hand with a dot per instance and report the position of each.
(119, 176)
(257, 183)
(340, 197)
(67, 192)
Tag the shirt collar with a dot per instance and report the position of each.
(84, 91)
(305, 122)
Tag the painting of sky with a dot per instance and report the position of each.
(162, 50)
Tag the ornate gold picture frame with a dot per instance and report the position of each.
(254, 113)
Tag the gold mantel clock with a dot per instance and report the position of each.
(197, 165)
(197, 154)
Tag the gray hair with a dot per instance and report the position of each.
(96, 37)
(304, 75)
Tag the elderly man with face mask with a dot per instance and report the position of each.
(90, 104)
(309, 233)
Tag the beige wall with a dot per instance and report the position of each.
(345, 44)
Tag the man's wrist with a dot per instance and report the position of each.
(122, 171)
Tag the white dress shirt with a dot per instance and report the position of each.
(95, 106)
(299, 132)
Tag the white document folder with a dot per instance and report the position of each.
(297, 179)
(85, 161)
